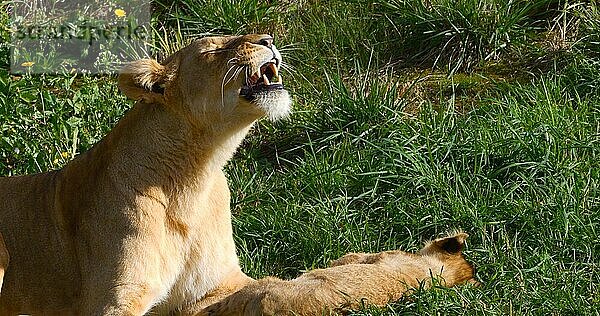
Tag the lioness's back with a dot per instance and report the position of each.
(32, 235)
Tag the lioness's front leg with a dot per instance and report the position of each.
(131, 300)
(4, 258)
(124, 279)
(126, 297)
(230, 285)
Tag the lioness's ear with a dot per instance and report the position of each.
(451, 245)
(143, 80)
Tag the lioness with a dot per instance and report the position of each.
(141, 222)
(353, 280)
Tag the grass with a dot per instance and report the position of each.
(461, 34)
(411, 118)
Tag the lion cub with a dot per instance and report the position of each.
(353, 280)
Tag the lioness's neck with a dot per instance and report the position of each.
(151, 146)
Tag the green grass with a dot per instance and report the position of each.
(409, 120)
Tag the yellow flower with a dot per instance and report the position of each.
(28, 64)
(120, 13)
(64, 154)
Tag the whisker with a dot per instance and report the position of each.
(288, 49)
(237, 73)
(223, 84)
(297, 76)
(232, 67)
(288, 67)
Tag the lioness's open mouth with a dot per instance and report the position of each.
(265, 79)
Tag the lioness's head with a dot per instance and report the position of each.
(214, 78)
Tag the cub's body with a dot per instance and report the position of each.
(352, 281)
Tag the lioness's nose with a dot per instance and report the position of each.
(266, 41)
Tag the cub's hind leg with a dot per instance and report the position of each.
(3, 260)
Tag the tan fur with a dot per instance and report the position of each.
(4, 259)
(141, 222)
(355, 279)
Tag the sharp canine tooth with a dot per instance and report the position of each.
(274, 68)
(266, 80)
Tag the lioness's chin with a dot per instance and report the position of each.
(263, 87)
(275, 103)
